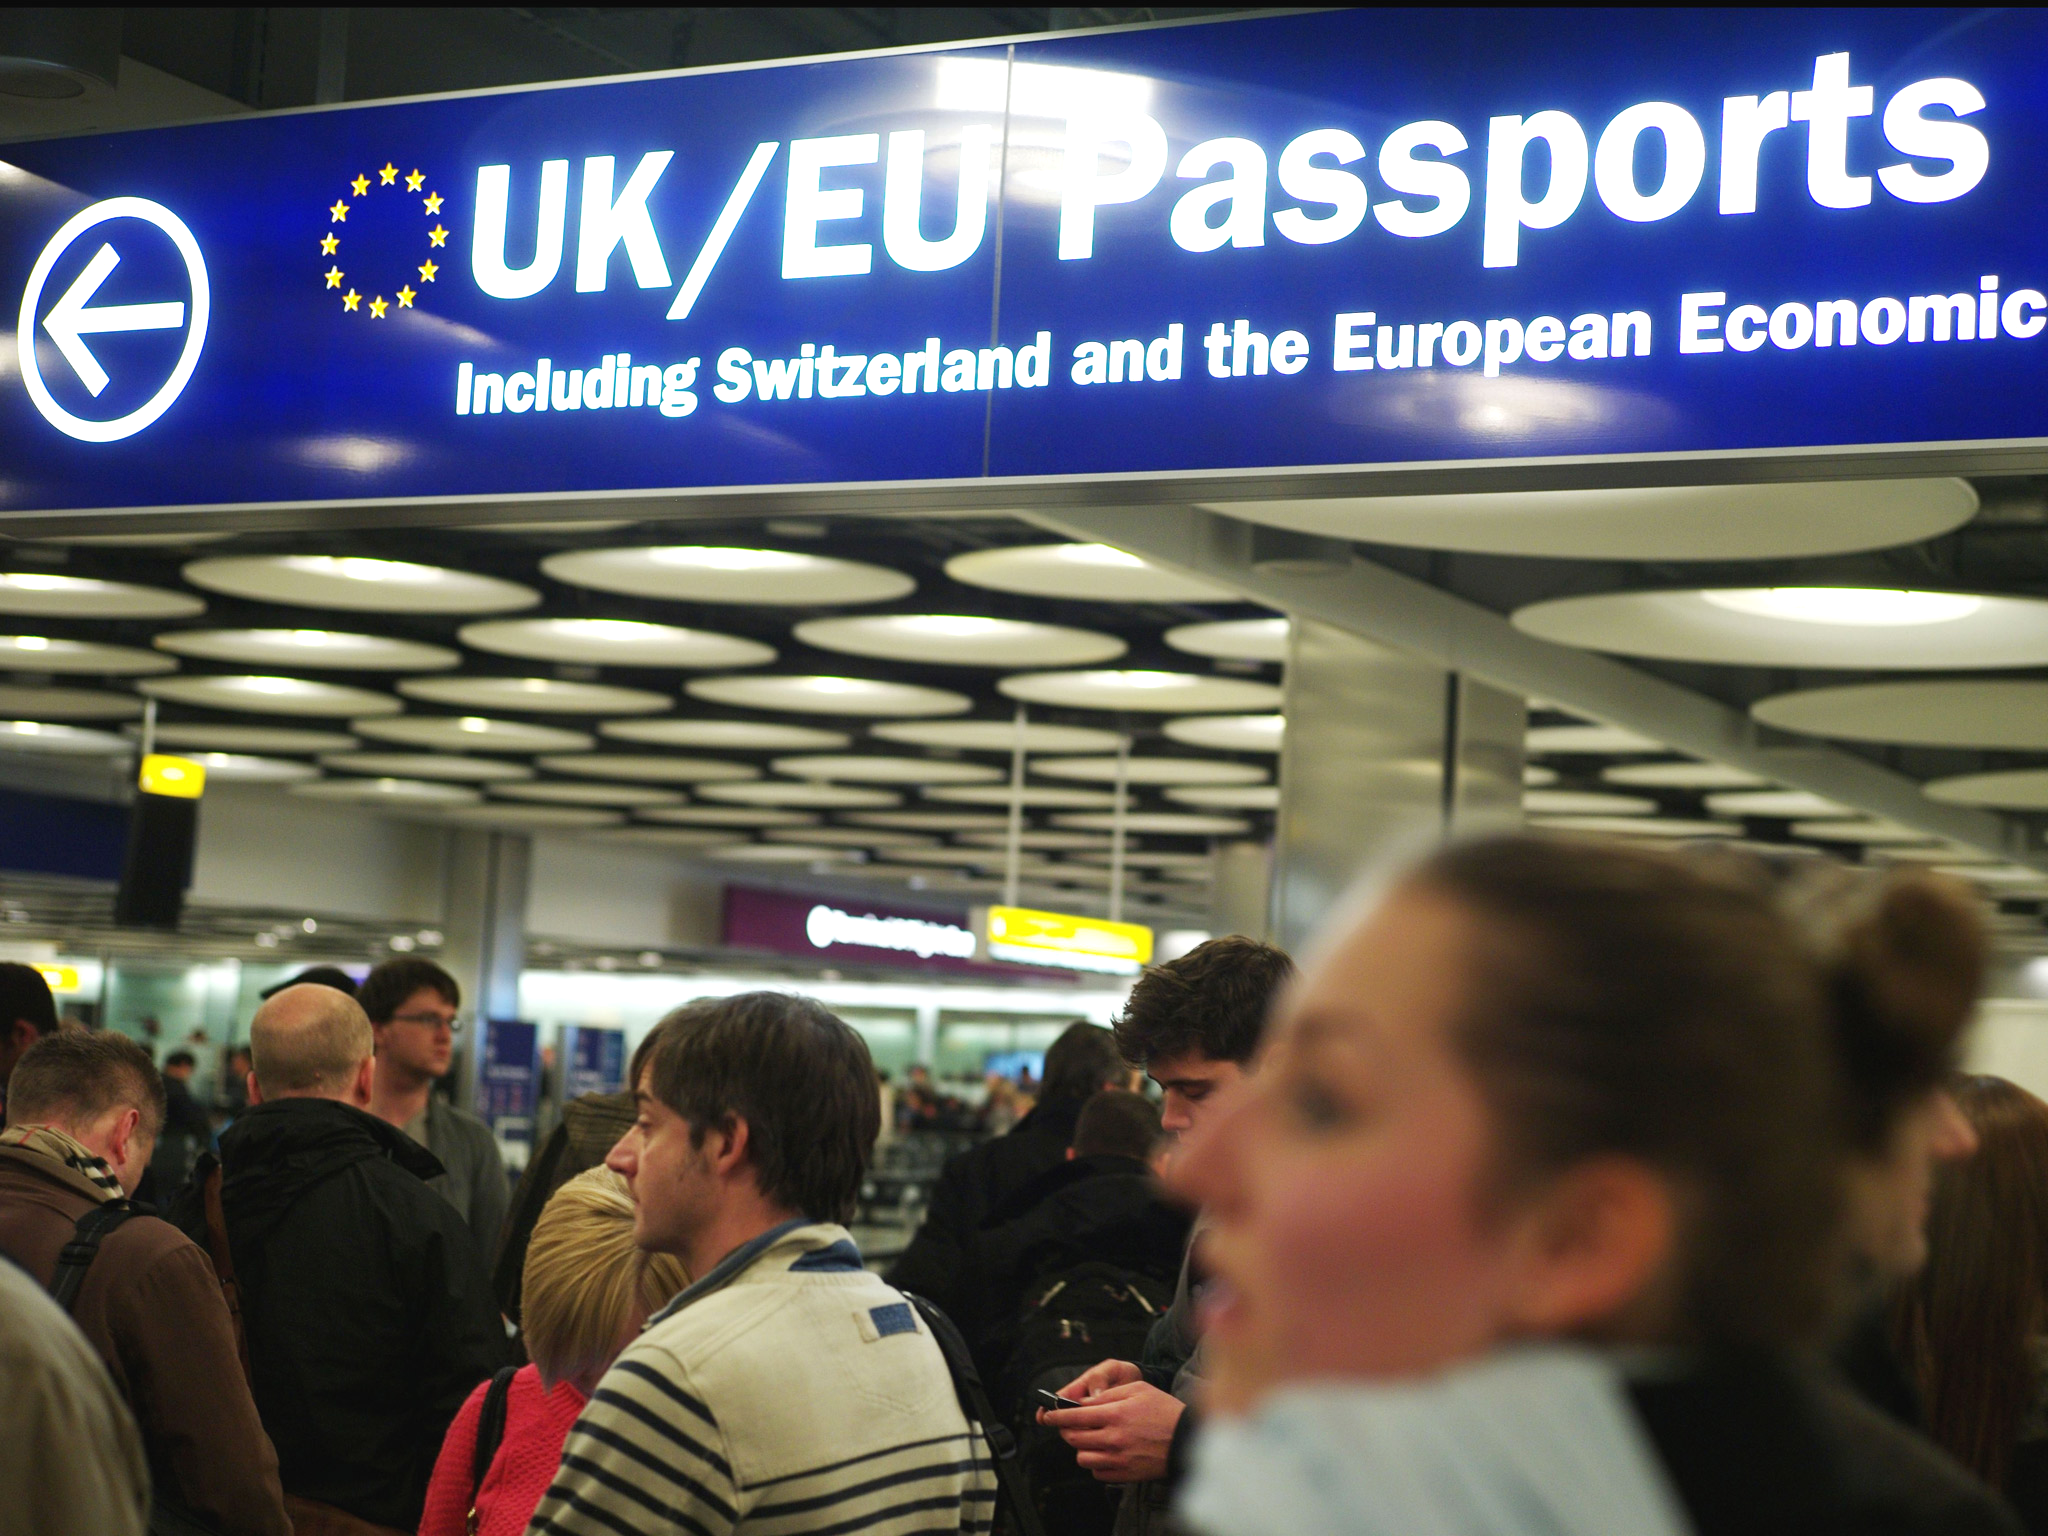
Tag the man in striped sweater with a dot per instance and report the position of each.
(787, 1390)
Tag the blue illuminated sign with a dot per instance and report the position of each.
(1314, 243)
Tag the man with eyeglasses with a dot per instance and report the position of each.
(413, 1007)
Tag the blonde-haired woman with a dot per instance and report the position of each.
(588, 1289)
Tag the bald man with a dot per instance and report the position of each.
(366, 1303)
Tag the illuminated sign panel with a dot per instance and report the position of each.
(59, 978)
(1322, 241)
(1058, 938)
(178, 777)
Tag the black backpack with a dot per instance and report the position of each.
(1069, 1322)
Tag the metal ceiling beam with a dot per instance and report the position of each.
(1370, 600)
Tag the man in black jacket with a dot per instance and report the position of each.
(1080, 1064)
(366, 1304)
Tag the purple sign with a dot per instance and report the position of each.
(593, 1060)
(850, 931)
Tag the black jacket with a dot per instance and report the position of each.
(972, 1185)
(1759, 1447)
(367, 1306)
(1086, 1210)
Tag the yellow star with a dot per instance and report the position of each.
(334, 277)
(405, 297)
(438, 235)
(350, 300)
(378, 305)
(388, 175)
(338, 214)
(415, 181)
(361, 184)
(433, 202)
(427, 270)
(328, 243)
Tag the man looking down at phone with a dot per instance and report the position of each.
(786, 1389)
(1194, 1025)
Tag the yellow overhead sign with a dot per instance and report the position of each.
(1059, 938)
(59, 978)
(178, 776)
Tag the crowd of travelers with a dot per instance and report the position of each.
(1567, 1188)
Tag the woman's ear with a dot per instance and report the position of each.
(1592, 1249)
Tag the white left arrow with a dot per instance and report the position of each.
(69, 321)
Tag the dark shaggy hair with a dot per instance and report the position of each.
(386, 988)
(1214, 1000)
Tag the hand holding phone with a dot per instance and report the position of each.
(1053, 1400)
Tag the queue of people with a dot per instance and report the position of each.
(1569, 1188)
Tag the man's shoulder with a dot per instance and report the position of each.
(450, 1120)
(1883, 1466)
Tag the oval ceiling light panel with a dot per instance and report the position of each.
(42, 653)
(1636, 826)
(783, 853)
(674, 839)
(1150, 770)
(613, 643)
(731, 816)
(318, 648)
(1985, 713)
(249, 738)
(533, 818)
(410, 793)
(1685, 522)
(849, 837)
(961, 640)
(1536, 776)
(650, 769)
(22, 703)
(1775, 803)
(2019, 789)
(933, 821)
(357, 584)
(725, 735)
(996, 736)
(1865, 628)
(886, 770)
(537, 695)
(702, 573)
(1229, 797)
(1233, 639)
(569, 792)
(428, 765)
(815, 695)
(1573, 802)
(1091, 572)
(1872, 831)
(241, 768)
(802, 794)
(39, 594)
(1160, 823)
(271, 696)
(1152, 692)
(1229, 733)
(473, 733)
(42, 737)
(1681, 776)
(1568, 740)
(1036, 797)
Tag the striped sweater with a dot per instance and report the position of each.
(788, 1391)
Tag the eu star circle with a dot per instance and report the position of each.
(73, 317)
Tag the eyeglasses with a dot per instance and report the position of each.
(451, 1022)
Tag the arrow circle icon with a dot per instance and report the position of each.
(74, 317)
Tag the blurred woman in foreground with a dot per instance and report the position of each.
(1536, 1204)
(1973, 1327)
(587, 1290)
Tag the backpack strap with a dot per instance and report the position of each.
(1002, 1444)
(490, 1434)
(76, 1256)
(209, 1176)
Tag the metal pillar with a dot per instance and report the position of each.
(483, 928)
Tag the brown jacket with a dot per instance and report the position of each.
(151, 1306)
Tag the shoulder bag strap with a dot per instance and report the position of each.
(490, 1434)
(1002, 1444)
(76, 1256)
(223, 1259)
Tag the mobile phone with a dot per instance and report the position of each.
(1052, 1399)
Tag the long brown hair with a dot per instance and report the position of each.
(1967, 1324)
